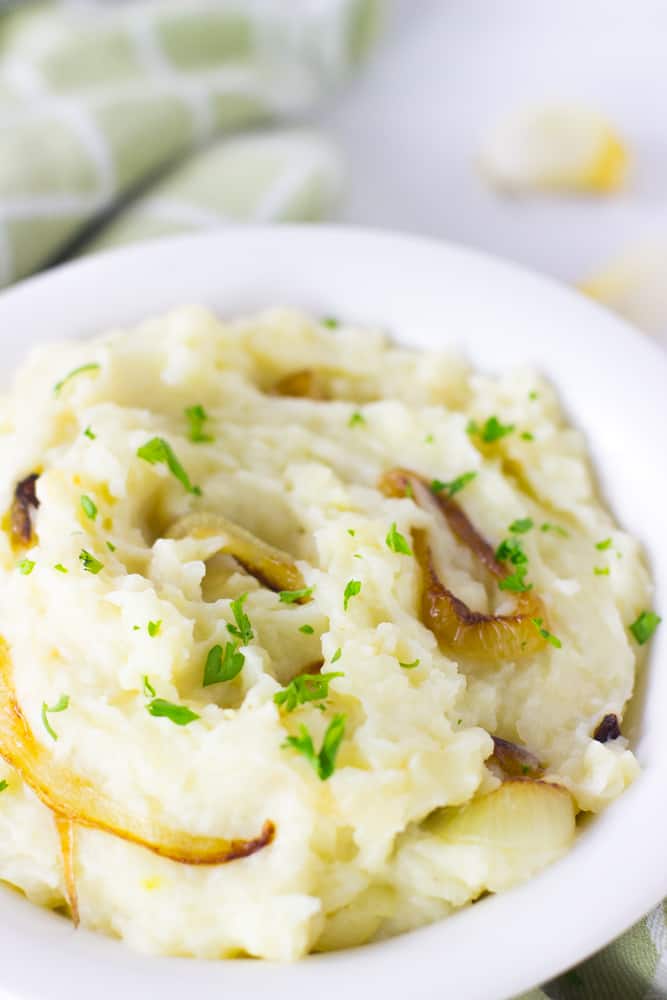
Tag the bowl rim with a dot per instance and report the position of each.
(553, 916)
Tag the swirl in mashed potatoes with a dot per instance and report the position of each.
(308, 639)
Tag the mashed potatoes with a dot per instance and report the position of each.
(142, 670)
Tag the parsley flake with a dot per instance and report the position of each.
(352, 588)
(89, 433)
(533, 395)
(356, 420)
(337, 655)
(149, 690)
(306, 629)
(330, 322)
(511, 550)
(222, 666)
(243, 629)
(455, 485)
(197, 417)
(111, 547)
(351, 532)
(409, 666)
(305, 688)
(396, 542)
(61, 568)
(26, 566)
(154, 628)
(324, 762)
(4, 784)
(601, 570)
(59, 706)
(89, 562)
(605, 544)
(158, 450)
(521, 526)
(554, 640)
(180, 715)
(556, 528)
(492, 430)
(88, 507)
(292, 596)
(644, 626)
(429, 439)
(527, 436)
(93, 366)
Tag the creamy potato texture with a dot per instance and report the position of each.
(357, 854)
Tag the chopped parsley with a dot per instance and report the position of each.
(511, 550)
(154, 628)
(605, 544)
(356, 420)
(409, 666)
(26, 566)
(158, 450)
(521, 526)
(527, 436)
(292, 596)
(180, 715)
(61, 568)
(352, 588)
(149, 690)
(305, 688)
(306, 629)
(533, 395)
(330, 322)
(93, 366)
(59, 706)
(337, 655)
(554, 640)
(601, 570)
(222, 665)
(556, 528)
(197, 417)
(455, 485)
(88, 507)
(351, 532)
(89, 562)
(645, 625)
(89, 433)
(397, 542)
(492, 430)
(409, 492)
(324, 762)
(4, 784)
(243, 629)
(111, 547)
(429, 439)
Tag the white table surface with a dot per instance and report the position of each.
(411, 125)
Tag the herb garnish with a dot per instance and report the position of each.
(409, 666)
(521, 526)
(89, 562)
(455, 485)
(93, 366)
(149, 690)
(59, 706)
(538, 623)
(604, 545)
(88, 507)
(601, 570)
(352, 588)
(337, 655)
(492, 430)
(154, 628)
(305, 688)
(180, 715)
(158, 450)
(222, 666)
(26, 566)
(324, 762)
(555, 528)
(330, 322)
(306, 629)
(111, 547)
(243, 629)
(356, 419)
(61, 568)
(292, 596)
(511, 550)
(397, 542)
(644, 626)
(89, 433)
(533, 395)
(4, 784)
(527, 436)
(197, 417)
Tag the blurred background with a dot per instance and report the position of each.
(529, 130)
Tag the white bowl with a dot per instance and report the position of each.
(614, 385)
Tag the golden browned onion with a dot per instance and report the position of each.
(304, 384)
(472, 633)
(74, 799)
(20, 513)
(65, 829)
(272, 566)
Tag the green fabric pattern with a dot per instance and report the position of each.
(119, 123)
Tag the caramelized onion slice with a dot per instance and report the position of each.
(65, 829)
(73, 799)
(514, 760)
(472, 633)
(303, 384)
(272, 566)
(20, 514)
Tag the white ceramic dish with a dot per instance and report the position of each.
(614, 384)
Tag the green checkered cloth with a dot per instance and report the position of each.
(121, 122)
